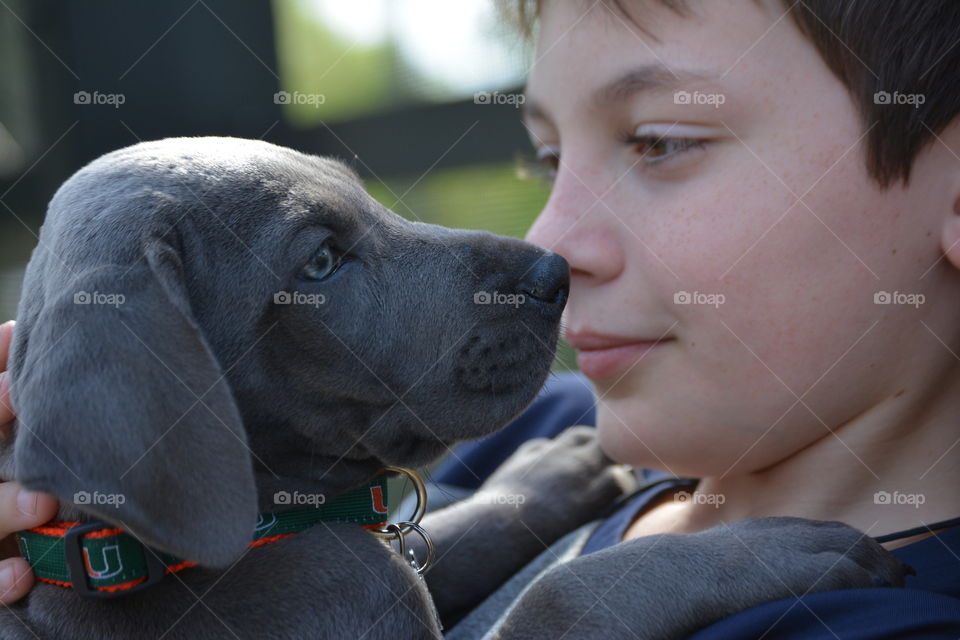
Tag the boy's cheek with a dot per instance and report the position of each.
(796, 318)
(706, 408)
(751, 344)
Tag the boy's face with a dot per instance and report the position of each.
(759, 193)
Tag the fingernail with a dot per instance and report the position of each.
(6, 579)
(27, 502)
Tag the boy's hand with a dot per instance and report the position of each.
(6, 411)
(19, 508)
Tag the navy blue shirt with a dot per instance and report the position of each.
(928, 607)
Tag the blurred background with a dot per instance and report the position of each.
(419, 96)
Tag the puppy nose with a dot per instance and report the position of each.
(548, 280)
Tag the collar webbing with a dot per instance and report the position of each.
(99, 559)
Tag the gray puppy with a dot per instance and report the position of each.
(209, 321)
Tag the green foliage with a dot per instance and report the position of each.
(313, 59)
(488, 197)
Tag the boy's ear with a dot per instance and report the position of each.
(123, 410)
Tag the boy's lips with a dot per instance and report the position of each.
(604, 356)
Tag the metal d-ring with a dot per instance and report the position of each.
(407, 525)
(426, 541)
(397, 530)
(394, 531)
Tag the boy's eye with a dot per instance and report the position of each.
(543, 166)
(655, 149)
(548, 159)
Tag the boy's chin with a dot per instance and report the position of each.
(624, 443)
(652, 443)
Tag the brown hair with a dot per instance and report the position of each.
(898, 59)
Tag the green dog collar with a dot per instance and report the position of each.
(100, 560)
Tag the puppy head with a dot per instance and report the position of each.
(206, 321)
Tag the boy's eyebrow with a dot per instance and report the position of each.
(644, 78)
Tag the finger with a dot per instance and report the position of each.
(6, 410)
(16, 578)
(6, 336)
(23, 509)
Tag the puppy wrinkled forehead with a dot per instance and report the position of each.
(235, 179)
(324, 184)
(220, 156)
(339, 165)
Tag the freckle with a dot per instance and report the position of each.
(929, 233)
(894, 251)
(899, 393)
(693, 344)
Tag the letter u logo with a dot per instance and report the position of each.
(376, 494)
(264, 522)
(113, 559)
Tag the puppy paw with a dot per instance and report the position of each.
(815, 555)
(564, 481)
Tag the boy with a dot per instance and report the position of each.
(760, 204)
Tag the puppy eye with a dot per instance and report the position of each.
(323, 263)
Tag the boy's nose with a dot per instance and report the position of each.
(583, 230)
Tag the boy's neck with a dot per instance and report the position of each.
(891, 468)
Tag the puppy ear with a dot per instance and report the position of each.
(123, 410)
